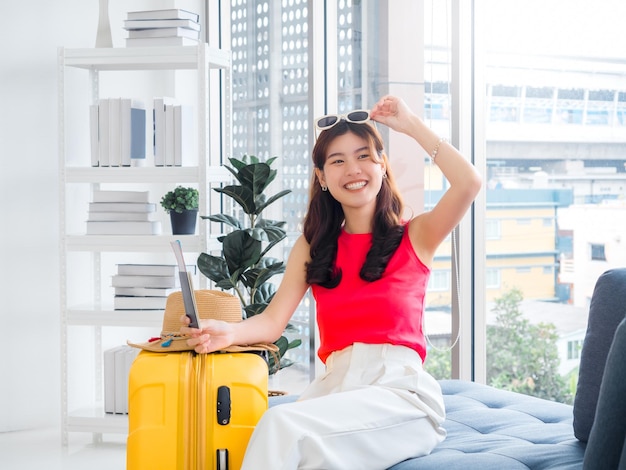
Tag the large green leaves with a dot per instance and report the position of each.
(254, 178)
(243, 265)
(241, 251)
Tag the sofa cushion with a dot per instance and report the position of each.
(606, 310)
(492, 429)
(608, 434)
(496, 429)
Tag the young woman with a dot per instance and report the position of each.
(368, 270)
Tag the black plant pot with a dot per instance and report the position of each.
(184, 223)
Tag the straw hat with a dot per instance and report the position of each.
(213, 304)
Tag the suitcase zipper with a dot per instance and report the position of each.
(201, 411)
(188, 392)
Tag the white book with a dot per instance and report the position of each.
(147, 269)
(130, 356)
(151, 269)
(159, 128)
(182, 134)
(94, 137)
(139, 303)
(115, 151)
(132, 130)
(169, 134)
(163, 33)
(148, 24)
(126, 227)
(118, 216)
(110, 378)
(143, 291)
(102, 195)
(167, 41)
(167, 14)
(163, 282)
(103, 131)
(121, 382)
(122, 207)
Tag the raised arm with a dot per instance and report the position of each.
(429, 229)
(267, 326)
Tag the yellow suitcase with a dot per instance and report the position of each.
(192, 411)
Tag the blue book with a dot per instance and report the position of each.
(132, 124)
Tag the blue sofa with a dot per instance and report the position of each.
(495, 429)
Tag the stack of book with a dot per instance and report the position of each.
(117, 132)
(172, 132)
(117, 362)
(122, 213)
(144, 286)
(172, 27)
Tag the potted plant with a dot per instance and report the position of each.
(182, 205)
(244, 265)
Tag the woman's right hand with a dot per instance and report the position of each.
(212, 335)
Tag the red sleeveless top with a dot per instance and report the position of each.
(388, 310)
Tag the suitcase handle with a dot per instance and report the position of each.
(223, 405)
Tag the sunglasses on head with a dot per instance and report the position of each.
(358, 116)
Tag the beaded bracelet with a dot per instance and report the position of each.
(435, 151)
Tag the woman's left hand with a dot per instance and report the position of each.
(394, 113)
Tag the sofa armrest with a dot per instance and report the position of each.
(608, 434)
(606, 311)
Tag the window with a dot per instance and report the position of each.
(573, 349)
(439, 280)
(493, 229)
(541, 111)
(570, 100)
(492, 278)
(597, 252)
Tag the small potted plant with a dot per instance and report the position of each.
(182, 206)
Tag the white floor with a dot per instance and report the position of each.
(41, 448)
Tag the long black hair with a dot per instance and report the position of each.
(325, 217)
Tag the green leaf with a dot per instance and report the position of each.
(257, 234)
(271, 200)
(294, 344)
(273, 229)
(271, 245)
(241, 250)
(256, 277)
(225, 284)
(225, 219)
(265, 293)
(213, 267)
(254, 309)
(255, 177)
(238, 164)
(242, 196)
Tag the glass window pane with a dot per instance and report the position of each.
(270, 76)
(555, 182)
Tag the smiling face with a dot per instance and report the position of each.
(352, 172)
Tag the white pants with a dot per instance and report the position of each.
(375, 406)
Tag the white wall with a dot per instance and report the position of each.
(30, 32)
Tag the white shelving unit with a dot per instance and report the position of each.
(83, 304)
